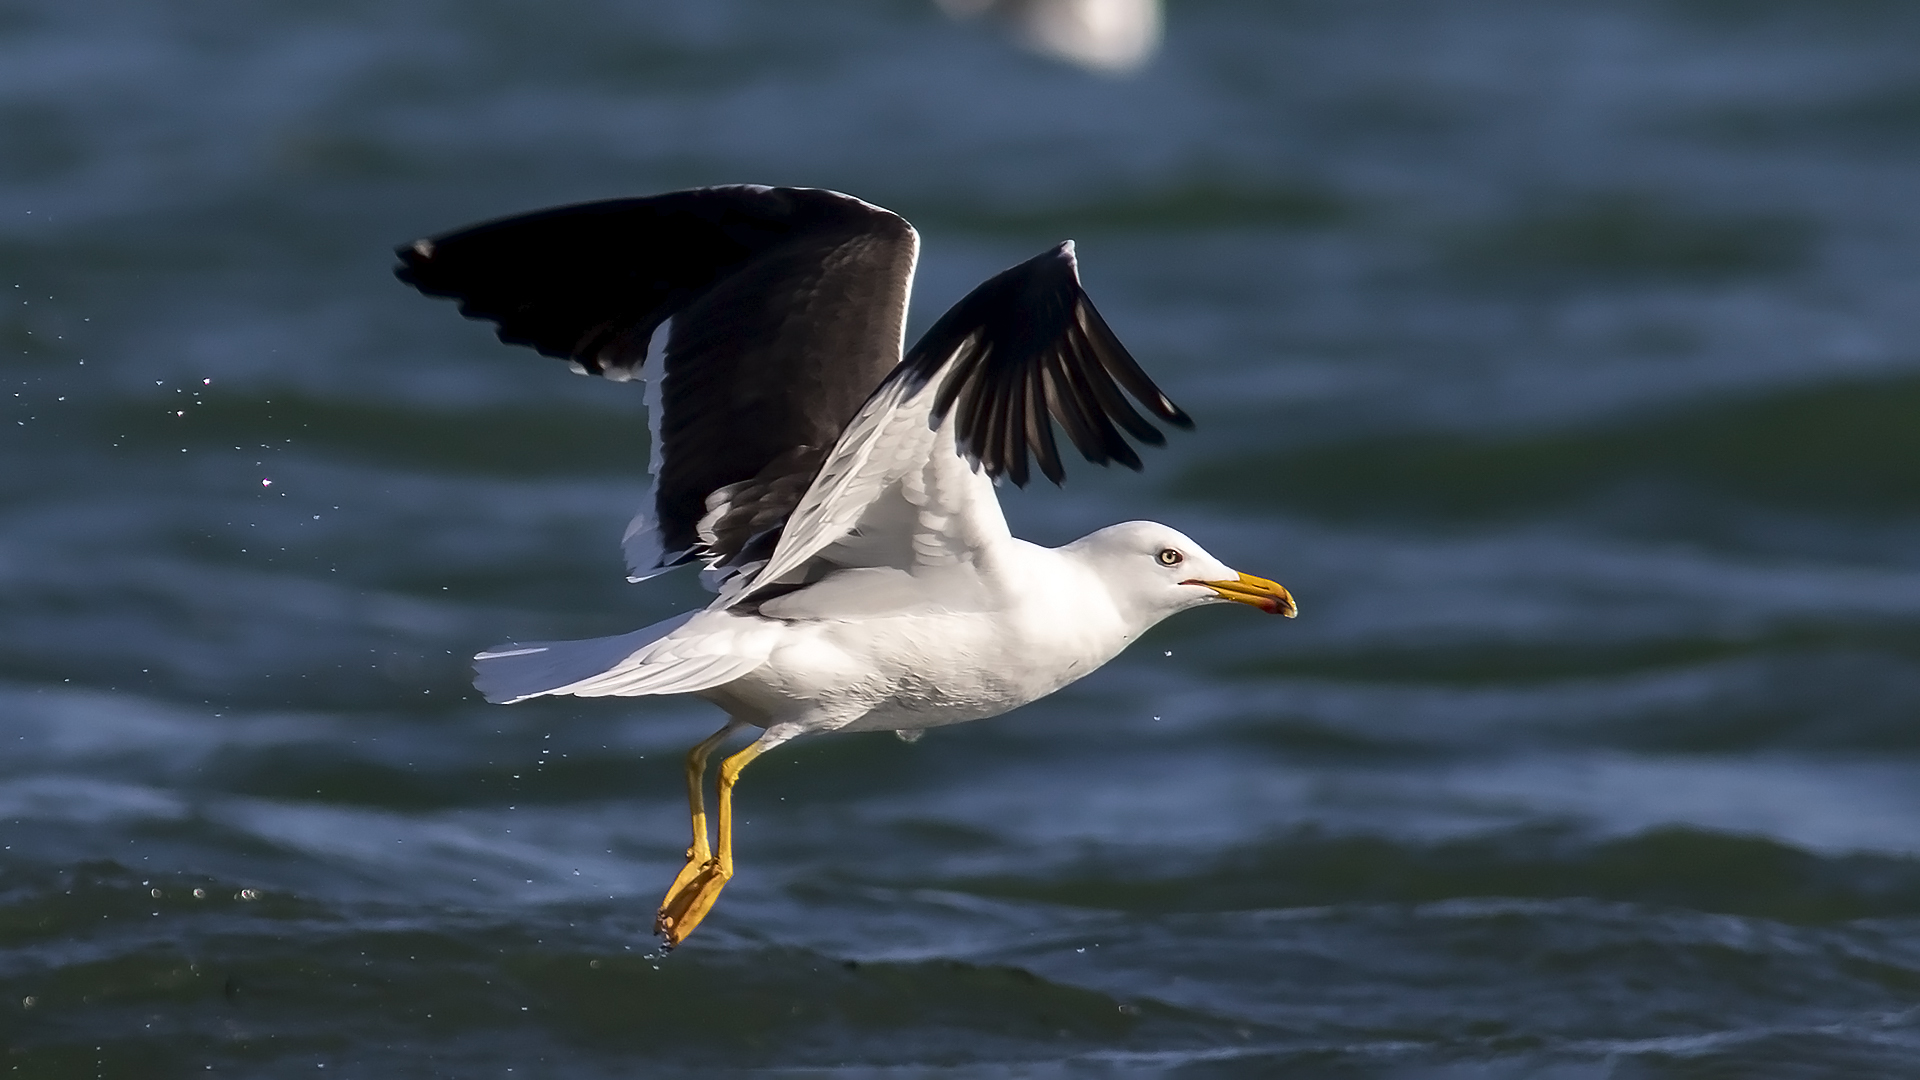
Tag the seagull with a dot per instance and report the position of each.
(835, 490)
(1111, 36)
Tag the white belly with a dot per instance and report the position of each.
(911, 671)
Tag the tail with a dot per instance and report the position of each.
(632, 664)
(516, 672)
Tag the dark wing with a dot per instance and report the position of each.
(986, 383)
(1028, 345)
(787, 307)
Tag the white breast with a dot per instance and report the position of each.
(903, 650)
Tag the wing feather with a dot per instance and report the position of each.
(1063, 401)
(1039, 429)
(1111, 402)
(785, 421)
(1033, 327)
(787, 307)
(974, 400)
(1107, 444)
(1121, 365)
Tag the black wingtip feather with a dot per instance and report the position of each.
(1125, 370)
(1039, 430)
(590, 282)
(1013, 431)
(796, 288)
(1028, 344)
(1112, 402)
(1106, 442)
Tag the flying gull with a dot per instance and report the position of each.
(836, 495)
(1112, 36)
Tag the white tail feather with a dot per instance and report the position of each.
(666, 675)
(515, 672)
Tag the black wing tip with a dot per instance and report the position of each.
(562, 271)
(589, 282)
(416, 268)
(1032, 326)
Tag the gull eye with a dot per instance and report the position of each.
(1170, 557)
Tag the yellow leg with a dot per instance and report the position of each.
(698, 855)
(694, 892)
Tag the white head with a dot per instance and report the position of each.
(1152, 571)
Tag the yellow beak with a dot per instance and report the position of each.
(1266, 595)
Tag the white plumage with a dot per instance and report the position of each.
(869, 582)
(929, 613)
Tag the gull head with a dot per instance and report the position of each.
(1152, 571)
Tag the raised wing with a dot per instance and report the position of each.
(1028, 344)
(907, 485)
(786, 309)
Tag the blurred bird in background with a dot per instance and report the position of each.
(1112, 36)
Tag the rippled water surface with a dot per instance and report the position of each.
(1561, 358)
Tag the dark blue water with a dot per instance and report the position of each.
(1561, 359)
